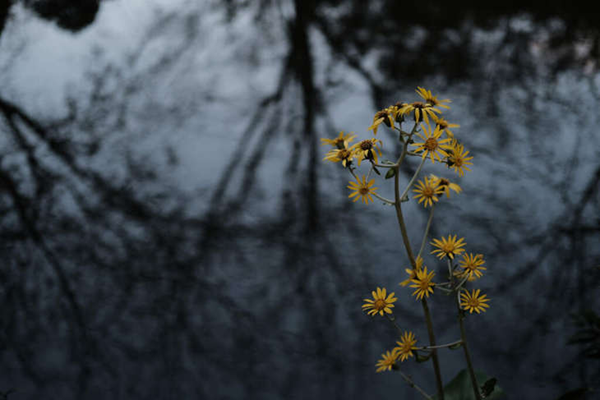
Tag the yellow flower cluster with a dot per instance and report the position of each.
(342, 151)
(403, 351)
(472, 269)
(431, 138)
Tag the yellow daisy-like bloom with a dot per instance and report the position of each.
(380, 303)
(445, 126)
(448, 247)
(362, 190)
(427, 191)
(445, 185)
(367, 149)
(431, 99)
(387, 116)
(398, 116)
(422, 283)
(387, 362)
(337, 155)
(473, 301)
(457, 158)
(432, 145)
(340, 142)
(412, 273)
(422, 111)
(472, 266)
(405, 346)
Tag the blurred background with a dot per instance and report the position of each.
(170, 231)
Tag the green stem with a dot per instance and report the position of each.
(383, 165)
(426, 231)
(393, 322)
(411, 257)
(412, 384)
(463, 336)
(434, 356)
(388, 201)
(417, 172)
(441, 346)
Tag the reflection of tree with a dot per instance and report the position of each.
(524, 47)
(112, 284)
(69, 15)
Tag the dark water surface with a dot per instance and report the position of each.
(169, 229)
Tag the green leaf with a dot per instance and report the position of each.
(422, 358)
(460, 387)
(455, 346)
(390, 174)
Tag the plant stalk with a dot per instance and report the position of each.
(434, 356)
(463, 336)
(411, 257)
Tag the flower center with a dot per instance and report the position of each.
(444, 182)
(442, 124)
(431, 144)
(363, 190)
(448, 248)
(344, 153)
(380, 114)
(418, 104)
(428, 191)
(366, 145)
(380, 304)
(458, 161)
(384, 115)
(473, 302)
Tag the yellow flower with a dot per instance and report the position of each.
(448, 247)
(387, 362)
(432, 145)
(473, 301)
(398, 116)
(380, 302)
(431, 99)
(457, 158)
(340, 142)
(405, 346)
(422, 111)
(412, 274)
(343, 155)
(422, 283)
(362, 190)
(445, 126)
(386, 116)
(472, 266)
(445, 185)
(367, 149)
(427, 191)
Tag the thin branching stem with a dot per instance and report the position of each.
(440, 346)
(412, 384)
(417, 172)
(463, 335)
(426, 231)
(411, 257)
